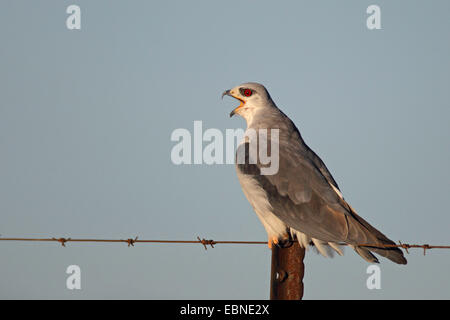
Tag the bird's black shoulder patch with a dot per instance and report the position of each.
(243, 160)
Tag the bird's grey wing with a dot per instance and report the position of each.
(303, 197)
(299, 194)
(313, 157)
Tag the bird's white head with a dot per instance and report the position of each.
(253, 97)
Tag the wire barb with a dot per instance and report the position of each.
(62, 241)
(131, 242)
(425, 247)
(205, 242)
(404, 246)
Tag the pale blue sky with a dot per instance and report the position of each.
(86, 118)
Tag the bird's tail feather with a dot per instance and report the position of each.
(365, 254)
(393, 254)
(327, 249)
(362, 233)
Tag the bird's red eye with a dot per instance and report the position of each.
(247, 92)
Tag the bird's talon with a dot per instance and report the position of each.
(272, 241)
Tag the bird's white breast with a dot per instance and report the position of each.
(258, 199)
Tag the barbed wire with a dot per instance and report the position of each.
(212, 243)
(132, 241)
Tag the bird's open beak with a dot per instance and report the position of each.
(228, 93)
